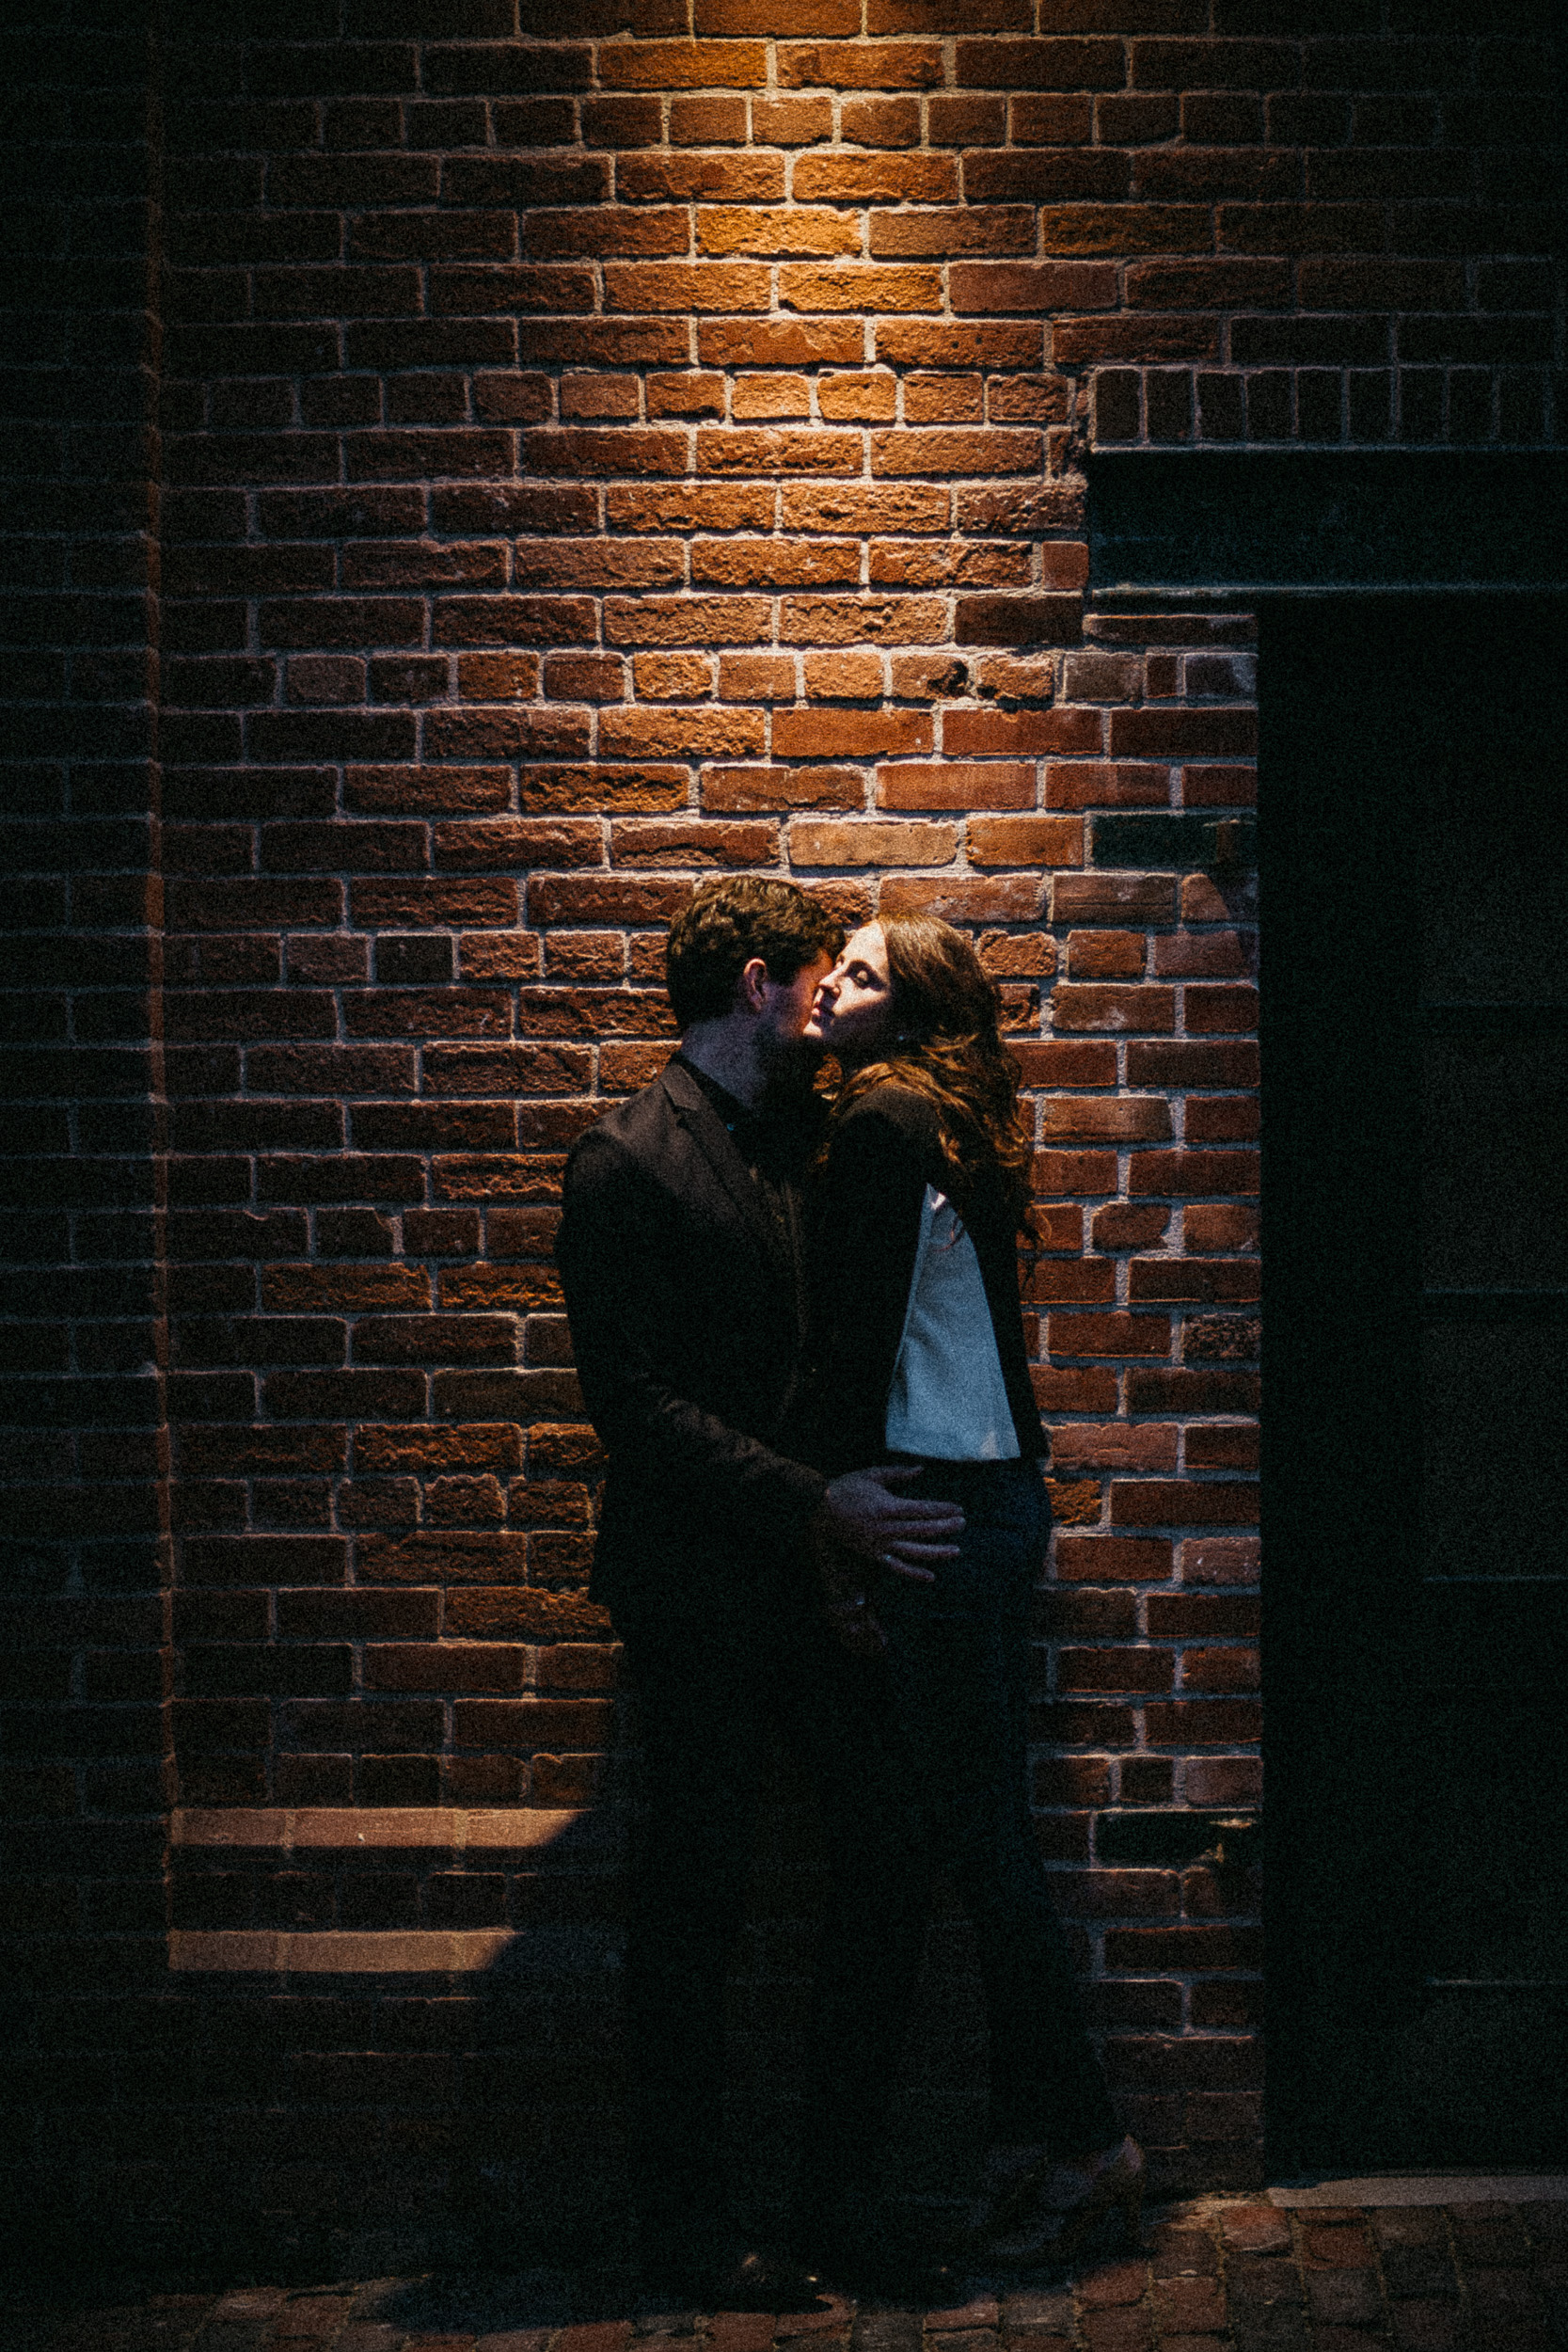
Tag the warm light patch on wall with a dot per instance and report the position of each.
(279, 1834)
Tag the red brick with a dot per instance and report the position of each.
(783, 787)
(787, 230)
(1224, 1119)
(707, 122)
(1183, 734)
(605, 2335)
(1219, 1559)
(1175, 1501)
(1127, 899)
(661, 733)
(1018, 620)
(1105, 1119)
(858, 286)
(1221, 1225)
(826, 734)
(956, 784)
(1026, 841)
(1114, 1008)
(714, 628)
(1083, 1172)
(774, 562)
(687, 620)
(446, 1666)
(1219, 788)
(1020, 733)
(1144, 1950)
(1094, 784)
(1106, 955)
(684, 64)
(1114, 1445)
(1211, 1010)
(695, 178)
(1111, 1559)
(1176, 1063)
(859, 65)
(963, 898)
(644, 841)
(791, 122)
(779, 342)
(1208, 955)
(1219, 1669)
(690, 506)
(1198, 1281)
(1078, 1282)
(529, 1724)
(1109, 1335)
(820, 842)
(1180, 1172)
(1066, 1062)
(1128, 1225)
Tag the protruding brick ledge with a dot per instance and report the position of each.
(464, 1891)
(337, 1951)
(346, 1827)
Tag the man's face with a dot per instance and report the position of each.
(783, 1042)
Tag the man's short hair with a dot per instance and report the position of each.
(729, 922)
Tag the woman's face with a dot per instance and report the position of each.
(852, 1017)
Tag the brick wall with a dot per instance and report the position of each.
(594, 458)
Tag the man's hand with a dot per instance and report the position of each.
(864, 1513)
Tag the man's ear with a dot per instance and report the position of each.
(751, 988)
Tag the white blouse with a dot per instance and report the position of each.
(948, 1400)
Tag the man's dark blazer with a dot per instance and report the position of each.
(686, 1301)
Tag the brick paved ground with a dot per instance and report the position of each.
(1214, 2275)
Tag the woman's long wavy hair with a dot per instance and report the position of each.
(947, 1045)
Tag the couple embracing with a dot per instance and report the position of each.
(796, 1326)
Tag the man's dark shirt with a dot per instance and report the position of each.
(771, 1144)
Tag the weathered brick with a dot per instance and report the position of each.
(956, 784)
(1037, 841)
(821, 842)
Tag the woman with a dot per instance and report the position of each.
(919, 1354)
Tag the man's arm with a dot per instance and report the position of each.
(610, 1252)
(621, 1304)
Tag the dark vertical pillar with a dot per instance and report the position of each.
(82, 1449)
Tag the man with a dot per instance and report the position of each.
(680, 1254)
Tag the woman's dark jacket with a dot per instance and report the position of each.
(865, 1230)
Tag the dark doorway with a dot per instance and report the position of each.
(1416, 1470)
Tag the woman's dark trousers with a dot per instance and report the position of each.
(958, 1650)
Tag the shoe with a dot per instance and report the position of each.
(1039, 2213)
(1015, 2179)
(719, 2270)
(872, 2254)
(1115, 2183)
